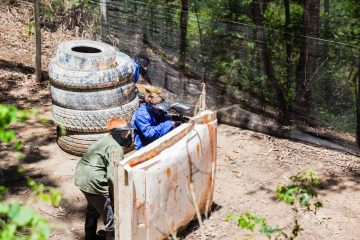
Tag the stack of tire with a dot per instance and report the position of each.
(91, 83)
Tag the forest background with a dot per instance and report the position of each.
(296, 62)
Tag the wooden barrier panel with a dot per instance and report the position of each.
(153, 195)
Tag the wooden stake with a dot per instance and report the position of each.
(358, 108)
(198, 214)
(38, 72)
(200, 104)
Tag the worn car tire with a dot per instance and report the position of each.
(86, 55)
(93, 100)
(74, 79)
(77, 144)
(92, 120)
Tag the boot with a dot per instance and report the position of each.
(95, 237)
(110, 235)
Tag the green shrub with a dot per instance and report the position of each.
(19, 221)
(300, 193)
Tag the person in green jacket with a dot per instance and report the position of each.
(94, 176)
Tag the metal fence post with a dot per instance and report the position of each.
(103, 21)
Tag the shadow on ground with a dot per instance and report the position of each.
(14, 165)
(194, 224)
(333, 183)
(19, 87)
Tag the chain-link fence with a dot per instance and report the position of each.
(288, 76)
(248, 56)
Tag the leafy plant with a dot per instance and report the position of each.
(250, 222)
(50, 195)
(301, 193)
(19, 221)
(16, 218)
(301, 190)
(49, 9)
(73, 14)
(8, 116)
(31, 28)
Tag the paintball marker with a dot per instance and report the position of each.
(180, 109)
(174, 111)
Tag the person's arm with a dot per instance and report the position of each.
(150, 132)
(113, 154)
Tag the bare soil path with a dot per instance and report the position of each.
(249, 165)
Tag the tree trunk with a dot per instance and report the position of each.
(167, 24)
(358, 108)
(152, 22)
(266, 57)
(327, 78)
(307, 63)
(183, 31)
(327, 31)
(287, 44)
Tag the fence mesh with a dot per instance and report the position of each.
(246, 56)
(289, 74)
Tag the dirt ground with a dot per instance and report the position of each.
(249, 165)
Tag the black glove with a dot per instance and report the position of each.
(176, 123)
(177, 118)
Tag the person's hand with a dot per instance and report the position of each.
(176, 118)
(176, 123)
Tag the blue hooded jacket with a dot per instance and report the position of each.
(149, 126)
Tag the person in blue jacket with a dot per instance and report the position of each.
(140, 65)
(150, 122)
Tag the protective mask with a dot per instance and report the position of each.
(123, 137)
(161, 108)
